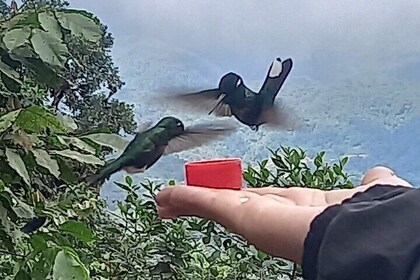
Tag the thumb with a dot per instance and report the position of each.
(223, 206)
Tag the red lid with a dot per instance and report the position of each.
(216, 173)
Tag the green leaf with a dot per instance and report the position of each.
(44, 264)
(124, 187)
(113, 141)
(206, 240)
(17, 37)
(279, 162)
(295, 159)
(21, 209)
(337, 170)
(38, 243)
(9, 84)
(45, 160)
(50, 49)
(67, 173)
(36, 119)
(263, 163)
(318, 160)
(23, 275)
(8, 119)
(68, 121)
(344, 161)
(78, 230)
(67, 265)
(42, 72)
(171, 182)
(16, 162)
(4, 221)
(129, 180)
(80, 25)
(50, 24)
(213, 270)
(24, 19)
(10, 72)
(80, 144)
(89, 159)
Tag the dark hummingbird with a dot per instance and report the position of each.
(168, 136)
(233, 98)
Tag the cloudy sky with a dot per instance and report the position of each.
(327, 39)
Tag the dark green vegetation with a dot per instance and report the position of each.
(55, 60)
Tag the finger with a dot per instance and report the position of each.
(219, 205)
(375, 173)
(266, 190)
(279, 190)
(294, 195)
(273, 227)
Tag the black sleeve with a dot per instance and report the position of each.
(373, 235)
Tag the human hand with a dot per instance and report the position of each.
(272, 223)
(275, 220)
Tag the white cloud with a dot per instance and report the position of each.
(325, 38)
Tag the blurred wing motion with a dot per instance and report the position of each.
(200, 134)
(280, 117)
(211, 101)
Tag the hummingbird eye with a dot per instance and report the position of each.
(238, 83)
(179, 124)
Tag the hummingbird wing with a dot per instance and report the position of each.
(210, 100)
(276, 76)
(198, 135)
(280, 117)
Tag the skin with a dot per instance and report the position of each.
(275, 220)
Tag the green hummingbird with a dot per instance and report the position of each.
(233, 98)
(168, 136)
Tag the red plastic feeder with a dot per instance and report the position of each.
(215, 173)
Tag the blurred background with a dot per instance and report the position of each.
(355, 81)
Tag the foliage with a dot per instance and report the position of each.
(106, 116)
(4, 9)
(42, 3)
(42, 155)
(292, 169)
(74, 43)
(134, 243)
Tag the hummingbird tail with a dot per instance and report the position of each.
(104, 173)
